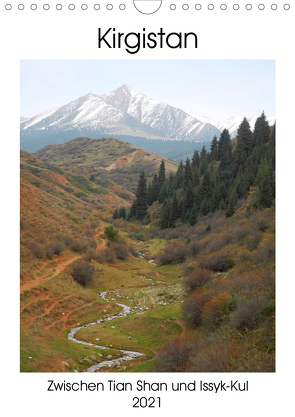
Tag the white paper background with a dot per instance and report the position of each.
(68, 34)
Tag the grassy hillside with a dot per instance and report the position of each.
(202, 296)
(63, 218)
(105, 160)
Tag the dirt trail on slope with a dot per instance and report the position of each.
(103, 242)
(61, 266)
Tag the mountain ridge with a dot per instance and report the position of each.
(122, 112)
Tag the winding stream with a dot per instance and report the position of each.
(126, 354)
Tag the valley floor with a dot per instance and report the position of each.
(52, 304)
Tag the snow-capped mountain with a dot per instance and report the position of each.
(232, 124)
(122, 111)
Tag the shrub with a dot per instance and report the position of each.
(121, 253)
(23, 224)
(252, 240)
(218, 356)
(79, 245)
(266, 249)
(82, 272)
(137, 236)
(89, 233)
(214, 311)
(172, 254)
(55, 248)
(108, 256)
(90, 254)
(38, 249)
(68, 240)
(111, 233)
(193, 306)
(174, 356)
(219, 261)
(198, 278)
(215, 242)
(247, 315)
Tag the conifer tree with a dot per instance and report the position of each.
(205, 206)
(122, 213)
(244, 136)
(261, 130)
(196, 178)
(149, 198)
(193, 216)
(141, 197)
(231, 204)
(213, 149)
(188, 176)
(224, 146)
(163, 193)
(264, 181)
(115, 214)
(165, 215)
(174, 212)
(222, 204)
(195, 161)
(203, 160)
(188, 201)
(132, 212)
(162, 174)
(155, 188)
(179, 175)
(206, 187)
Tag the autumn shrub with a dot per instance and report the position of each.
(215, 309)
(82, 272)
(198, 278)
(132, 228)
(23, 224)
(169, 234)
(215, 242)
(252, 240)
(55, 247)
(92, 243)
(79, 245)
(174, 356)
(266, 249)
(120, 249)
(137, 236)
(94, 223)
(67, 239)
(172, 254)
(152, 232)
(194, 248)
(247, 279)
(38, 249)
(219, 261)
(134, 251)
(248, 313)
(89, 233)
(108, 256)
(90, 254)
(262, 219)
(218, 356)
(121, 253)
(192, 307)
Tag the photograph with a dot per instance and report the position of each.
(147, 215)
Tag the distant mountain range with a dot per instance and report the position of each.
(123, 113)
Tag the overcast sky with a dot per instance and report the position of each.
(217, 89)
